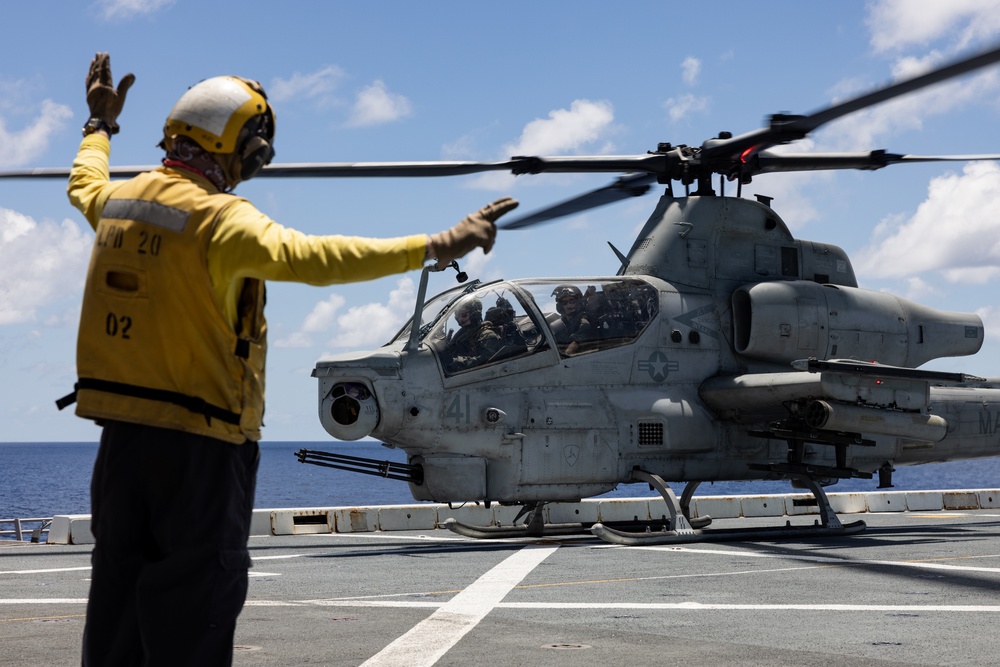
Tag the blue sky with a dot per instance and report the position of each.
(382, 81)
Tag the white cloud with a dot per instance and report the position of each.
(565, 130)
(680, 107)
(973, 275)
(373, 324)
(21, 147)
(869, 127)
(375, 105)
(127, 9)
(690, 70)
(896, 24)
(318, 86)
(40, 263)
(955, 27)
(955, 231)
(320, 320)
(917, 288)
(368, 325)
(15, 94)
(586, 125)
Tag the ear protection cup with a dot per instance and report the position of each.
(255, 150)
(255, 153)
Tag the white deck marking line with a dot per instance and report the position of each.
(53, 569)
(698, 606)
(686, 606)
(45, 601)
(832, 561)
(639, 606)
(430, 639)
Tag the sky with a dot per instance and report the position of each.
(454, 80)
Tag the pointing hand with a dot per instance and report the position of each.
(476, 230)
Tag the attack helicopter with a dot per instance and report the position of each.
(722, 348)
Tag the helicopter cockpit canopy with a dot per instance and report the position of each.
(590, 315)
(484, 324)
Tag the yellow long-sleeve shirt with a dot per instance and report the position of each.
(172, 330)
(248, 244)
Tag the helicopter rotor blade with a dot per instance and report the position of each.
(630, 185)
(784, 128)
(734, 157)
(652, 163)
(319, 170)
(62, 173)
(766, 162)
(383, 169)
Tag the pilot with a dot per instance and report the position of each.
(501, 317)
(575, 323)
(475, 342)
(170, 358)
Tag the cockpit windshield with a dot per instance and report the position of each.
(475, 325)
(592, 315)
(479, 325)
(432, 310)
(489, 325)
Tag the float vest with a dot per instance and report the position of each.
(154, 347)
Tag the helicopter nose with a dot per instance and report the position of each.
(350, 411)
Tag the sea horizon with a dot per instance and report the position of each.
(43, 479)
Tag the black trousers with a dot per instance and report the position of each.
(171, 518)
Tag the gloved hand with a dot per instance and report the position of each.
(476, 230)
(104, 100)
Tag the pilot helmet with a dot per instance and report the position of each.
(565, 293)
(472, 307)
(501, 313)
(226, 115)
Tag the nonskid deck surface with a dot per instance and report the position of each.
(914, 588)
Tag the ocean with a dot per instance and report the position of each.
(45, 479)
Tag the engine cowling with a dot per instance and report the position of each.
(782, 321)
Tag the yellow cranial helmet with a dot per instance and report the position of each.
(226, 114)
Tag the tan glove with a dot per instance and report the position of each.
(104, 100)
(476, 230)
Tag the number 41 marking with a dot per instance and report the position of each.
(455, 411)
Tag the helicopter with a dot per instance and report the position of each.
(722, 348)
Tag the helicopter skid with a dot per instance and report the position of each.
(548, 529)
(521, 530)
(722, 534)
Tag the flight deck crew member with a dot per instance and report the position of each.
(170, 360)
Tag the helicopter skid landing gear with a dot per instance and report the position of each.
(535, 526)
(680, 530)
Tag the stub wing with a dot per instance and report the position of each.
(836, 395)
